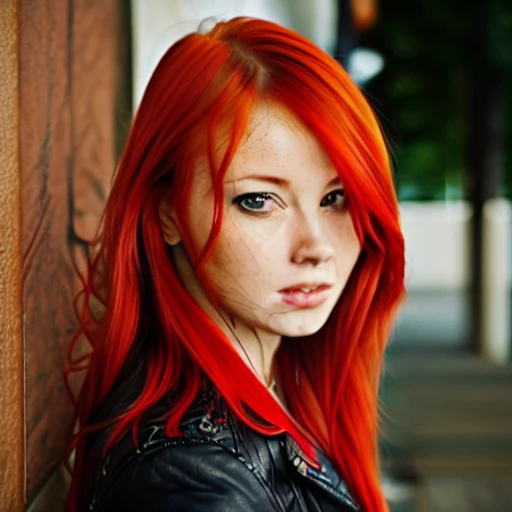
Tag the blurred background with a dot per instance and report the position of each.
(438, 74)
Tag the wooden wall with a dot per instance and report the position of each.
(12, 457)
(70, 57)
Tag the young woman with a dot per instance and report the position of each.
(250, 263)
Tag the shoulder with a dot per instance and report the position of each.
(180, 474)
(204, 468)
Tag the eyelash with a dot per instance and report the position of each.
(266, 196)
(340, 193)
(256, 196)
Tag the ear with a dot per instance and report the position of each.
(167, 215)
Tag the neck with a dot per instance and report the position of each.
(256, 347)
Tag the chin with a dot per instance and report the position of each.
(301, 328)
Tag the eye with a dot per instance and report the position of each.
(335, 199)
(255, 202)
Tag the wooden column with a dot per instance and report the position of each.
(60, 60)
(12, 456)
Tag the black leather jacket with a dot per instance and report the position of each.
(218, 464)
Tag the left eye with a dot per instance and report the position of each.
(260, 202)
(335, 199)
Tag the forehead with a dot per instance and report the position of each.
(277, 141)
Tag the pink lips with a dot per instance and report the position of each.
(295, 295)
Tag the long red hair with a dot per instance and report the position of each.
(330, 379)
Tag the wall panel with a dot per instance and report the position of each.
(12, 462)
(68, 71)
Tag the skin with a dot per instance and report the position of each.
(285, 224)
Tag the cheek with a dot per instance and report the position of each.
(198, 231)
(348, 244)
(231, 256)
(246, 251)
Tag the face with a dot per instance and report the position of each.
(287, 244)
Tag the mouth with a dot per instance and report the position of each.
(306, 295)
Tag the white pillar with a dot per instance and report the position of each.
(157, 24)
(496, 286)
(317, 20)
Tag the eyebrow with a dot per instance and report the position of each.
(278, 181)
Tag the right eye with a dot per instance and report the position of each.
(255, 202)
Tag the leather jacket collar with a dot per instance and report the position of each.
(325, 476)
(214, 423)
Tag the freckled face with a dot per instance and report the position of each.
(287, 244)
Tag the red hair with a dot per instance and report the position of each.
(330, 379)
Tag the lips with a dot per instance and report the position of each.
(305, 287)
(306, 295)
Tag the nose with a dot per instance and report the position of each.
(313, 246)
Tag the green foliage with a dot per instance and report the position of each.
(424, 91)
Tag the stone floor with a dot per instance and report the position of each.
(452, 494)
(448, 424)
